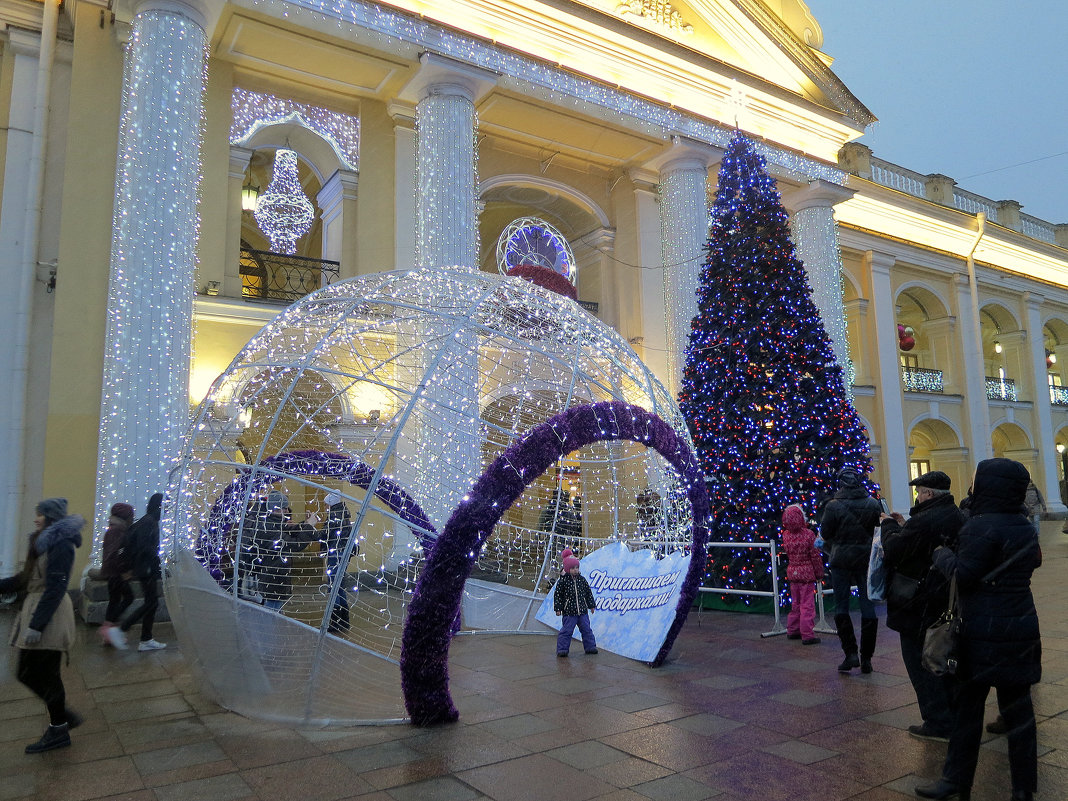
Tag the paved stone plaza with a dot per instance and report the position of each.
(732, 716)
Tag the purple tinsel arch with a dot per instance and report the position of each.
(230, 505)
(438, 593)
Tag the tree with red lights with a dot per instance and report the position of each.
(762, 393)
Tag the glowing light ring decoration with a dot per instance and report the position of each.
(415, 379)
(253, 111)
(283, 212)
(530, 241)
(425, 650)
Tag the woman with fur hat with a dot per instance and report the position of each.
(804, 569)
(115, 567)
(573, 600)
(44, 629)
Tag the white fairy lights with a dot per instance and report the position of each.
(684, 234)
(145, 398)
(375, 24)
(815, 235)
(253, 111)
(422, 376)
(283, 212)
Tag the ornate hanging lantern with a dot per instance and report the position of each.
(283, 212)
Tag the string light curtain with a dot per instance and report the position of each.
(447, 234)
(816, 234)
(684, 226)
(155, 231)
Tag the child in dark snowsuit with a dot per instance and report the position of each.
(573, 599)
(805, 568)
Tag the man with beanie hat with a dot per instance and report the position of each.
(145, 566)
(115, 568)
(270, 541)
(847, 528)
(916, 595)
(573, 600)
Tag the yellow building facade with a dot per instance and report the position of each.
(135, 281)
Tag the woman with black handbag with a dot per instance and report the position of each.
(999, 646)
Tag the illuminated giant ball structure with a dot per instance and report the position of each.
(371, 407)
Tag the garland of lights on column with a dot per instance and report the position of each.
(155, 230)
(762, 393)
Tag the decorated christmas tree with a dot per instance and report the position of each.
(762, 393)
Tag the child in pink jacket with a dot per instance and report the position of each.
(804, 569)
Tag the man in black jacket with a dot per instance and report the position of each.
(916, 595)
(847, 528)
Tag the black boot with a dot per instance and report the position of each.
(849, 643)
(869, 628)
(943, 790)
(54, 737)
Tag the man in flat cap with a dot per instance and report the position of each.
(917, 595)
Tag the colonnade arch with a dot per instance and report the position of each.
(937, 444)
(582, 221)
(1010, 440)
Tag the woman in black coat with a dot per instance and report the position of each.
(1000, 645)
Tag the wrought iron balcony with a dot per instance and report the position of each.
(276, 277)
(1001, 389)
(920, 379)
(1058, 396)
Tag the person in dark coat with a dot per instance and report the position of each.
(917, 595)
(1000, 644)
(143, 539)
(337, 531)
(115, 567)
(44, 630)
(847, 527)
(573, 600)
(271, 542)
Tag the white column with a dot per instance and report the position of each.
(403, 117)
(337, 199)
(145, 403)
(239, 161)
(446, 234)
(815, 234)
(974, 369)
(683, 236)
(649, 254)
(1047, 454)
(16, 302)
(888, 374)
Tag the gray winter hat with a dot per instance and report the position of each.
(53, 508)
(277, 500)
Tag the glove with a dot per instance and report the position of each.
(33, 636)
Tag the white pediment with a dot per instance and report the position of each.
(775, 40)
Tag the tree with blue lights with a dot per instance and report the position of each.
(762, 393)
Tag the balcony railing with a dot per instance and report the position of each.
(276, 277)
(920, 379)
(1058, 396)
(1001, 389)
